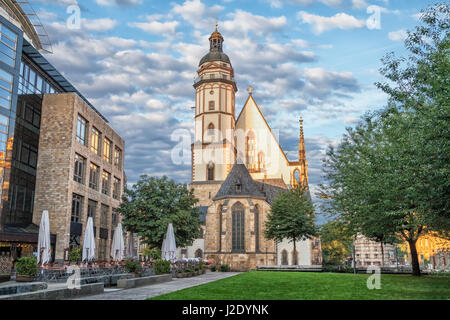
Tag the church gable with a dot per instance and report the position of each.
(239, 183)
(264, 158)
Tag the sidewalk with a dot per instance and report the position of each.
(143, 293)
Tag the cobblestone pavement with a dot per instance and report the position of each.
(142, 293)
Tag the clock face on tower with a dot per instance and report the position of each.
(211, 92)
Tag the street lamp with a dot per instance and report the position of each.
(266, 253)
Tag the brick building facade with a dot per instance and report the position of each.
(80, 173)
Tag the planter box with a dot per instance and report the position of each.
(24, 278)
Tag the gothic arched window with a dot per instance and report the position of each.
(251, 150)
(261, 161)
(256, 211)
(210, 171)
(284, 257)
(237, 228)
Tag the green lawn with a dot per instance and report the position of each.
(272, 285)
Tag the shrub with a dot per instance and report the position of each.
(201, 265)
(162, 266)
(224, 268)
(26, 266)
(337, 268)
(153, 254)
(132, 266)
(213, 268)
(75, 255)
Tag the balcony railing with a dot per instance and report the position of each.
(213, 76)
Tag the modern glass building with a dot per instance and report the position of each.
(25, 77)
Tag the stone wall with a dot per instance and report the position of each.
(218, 240)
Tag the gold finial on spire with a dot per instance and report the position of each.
(250, 90)
(217, 25)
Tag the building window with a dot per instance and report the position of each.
(77, 207)
(28, 155)
(211, 105)
(4, 123)
(114, 217)
(210, 129)
(238, 231)
(118, 157)
(210, 171)
(261, 161)
(92, 210)
(284, 258)
(104, 216)
(106, 182)
(251, 150)
(8, 40)
(81, 130)
(6, 81)
(116, 188)
(199, 253)
(94, 172)
(256, 212)
(32, 81)
(95, 141)
(107, 150)
(79, 169)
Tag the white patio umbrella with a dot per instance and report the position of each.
(44, 239)
(118, 245)
(169, 247)
(89, 241)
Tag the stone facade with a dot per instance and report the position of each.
(55, 184)
(219, 234)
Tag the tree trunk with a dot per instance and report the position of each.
(382, 255)
(294, 258)
(414, 258)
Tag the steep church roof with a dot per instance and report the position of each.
(239, 183)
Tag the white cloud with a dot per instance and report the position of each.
(198, 14)
(156, 27)
(125, 3)
(339, 20)
(98, 25)
(359, 4)
(398, 35)
(242, 22)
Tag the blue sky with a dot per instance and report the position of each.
(135, 60)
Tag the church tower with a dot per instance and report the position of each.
(215, 88)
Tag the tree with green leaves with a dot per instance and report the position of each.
(388, 178)
(336, 242)
(152, 203)
(291, 217)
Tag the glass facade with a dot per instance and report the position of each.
(6, 86)
(8, 45)
(32, 81)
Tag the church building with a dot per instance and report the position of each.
(238, 168)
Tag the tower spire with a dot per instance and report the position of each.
(301, 143)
